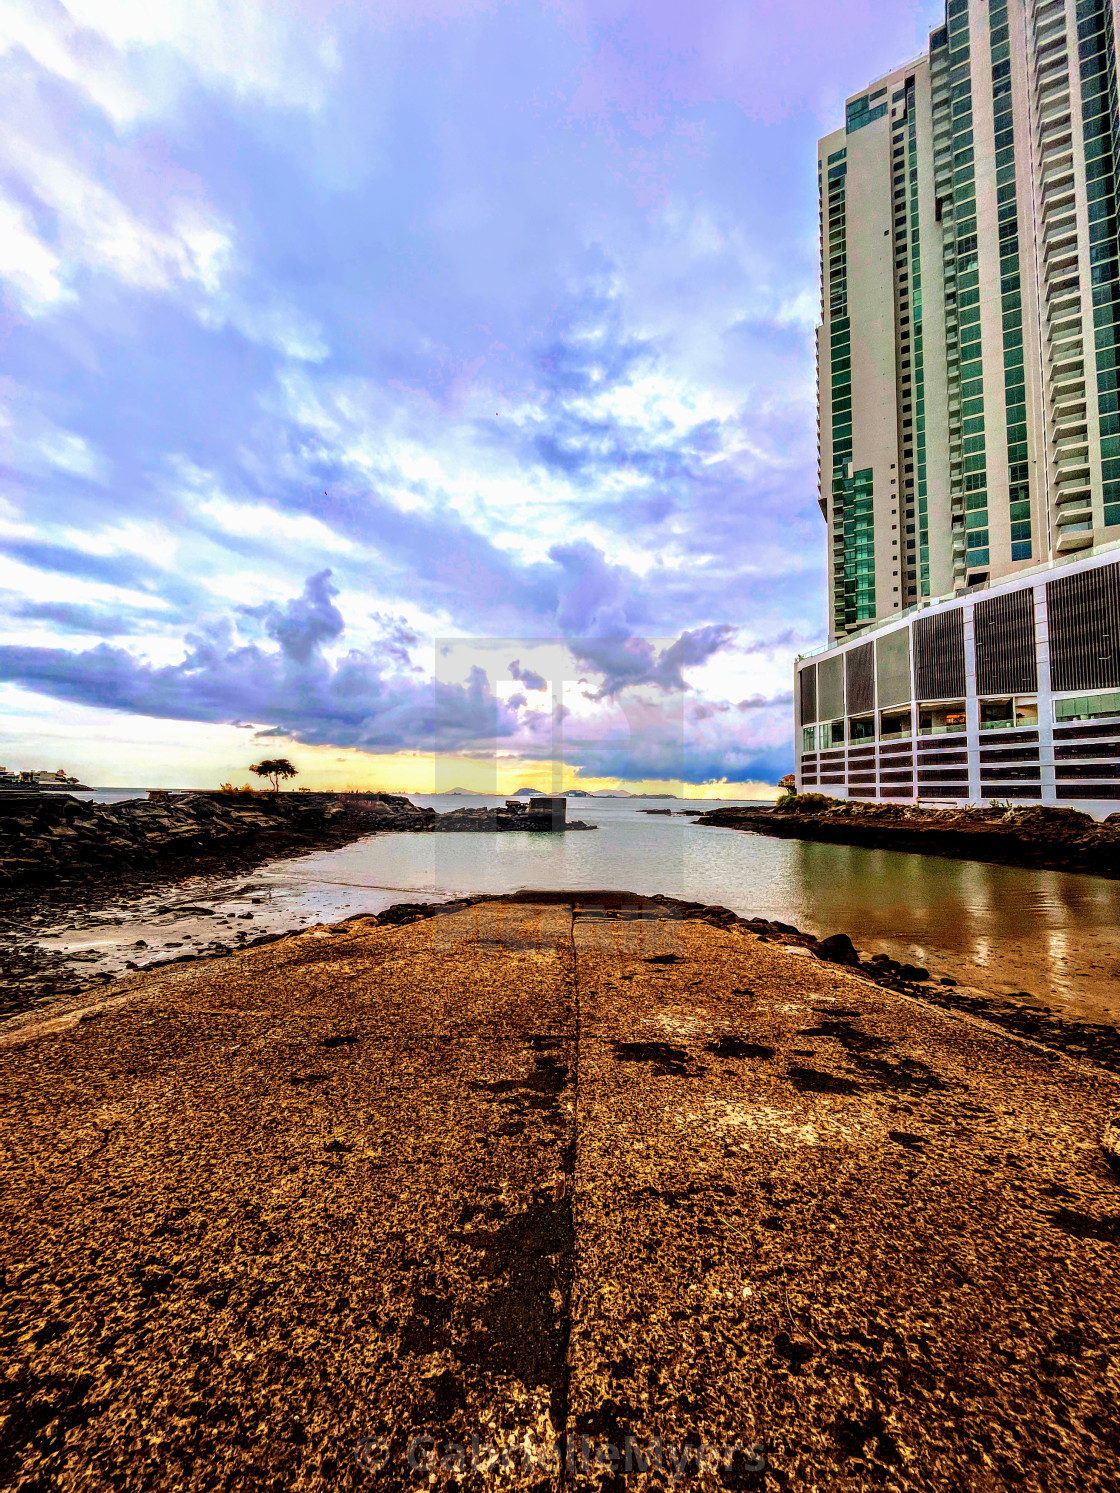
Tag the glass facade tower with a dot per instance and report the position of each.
(969, 420)
(967, 356)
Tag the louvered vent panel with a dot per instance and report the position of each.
(830, 688)
(939, 655)
(892, 665)
(1006, 660)
(1084, 621)
(807, 681)
(859, 679)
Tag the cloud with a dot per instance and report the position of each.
(73, 617)
(764, 702)
(368, 698)
(31, 267)
(352, 703)
(33, 445)
(176, 241)
(128, 571)
(135, 61)
(302, 625)
(528, 677)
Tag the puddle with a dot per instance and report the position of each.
(199, 916)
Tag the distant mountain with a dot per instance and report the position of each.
(528, 793)
(460, 793)
(576, 793)
(612, 793)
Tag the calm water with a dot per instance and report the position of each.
(1004, 929)
(1055, 935)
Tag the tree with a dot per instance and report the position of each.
(274, 768)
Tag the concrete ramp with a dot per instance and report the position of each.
(511, 1194)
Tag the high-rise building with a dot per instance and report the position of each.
(969, 396)
(969, 416)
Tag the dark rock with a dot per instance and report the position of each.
(912, 972)
(1046, 836)
(481, 820)
(837, 948)
(59, 839)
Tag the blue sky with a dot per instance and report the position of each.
(361, 361)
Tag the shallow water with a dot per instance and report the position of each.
(1004, 929)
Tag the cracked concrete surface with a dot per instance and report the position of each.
(526, 1169)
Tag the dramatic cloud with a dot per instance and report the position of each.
(305, 623)
(527, 677)
(496, 321)
(372, 699)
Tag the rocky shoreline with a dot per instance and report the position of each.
(67, 864)
(58, 840)
(1040, 837)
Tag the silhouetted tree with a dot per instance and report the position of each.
(274, 768)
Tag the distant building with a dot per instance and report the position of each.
(39, 779)
(969, 416)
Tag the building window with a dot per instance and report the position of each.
(1005, 715)
(894, 724)
(862, 728)
(1087, 707)
(939, 719)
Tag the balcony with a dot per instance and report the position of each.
(1075, 538)
(1073, 468)
(1065, 363)
(1075, 516)
(1069, 419)
(1073, 495)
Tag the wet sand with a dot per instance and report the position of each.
(519, 1170)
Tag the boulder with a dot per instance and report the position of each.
(837, 948)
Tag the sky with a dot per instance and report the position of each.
(419, 389)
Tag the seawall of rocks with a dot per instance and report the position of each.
(51, 839)
(48, 839)
(1040, 836)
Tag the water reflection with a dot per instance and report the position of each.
(1047, 932)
